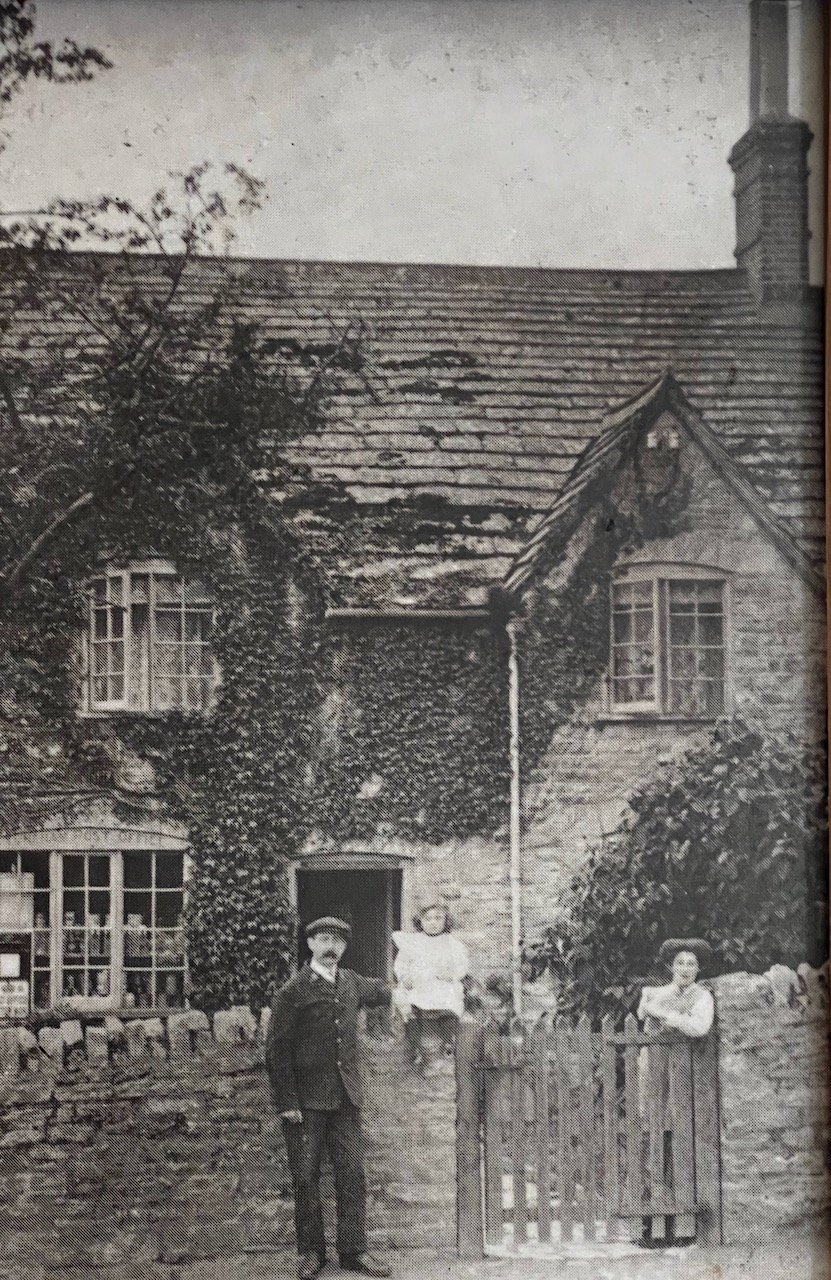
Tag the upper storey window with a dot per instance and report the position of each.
(148, 641)
(668, 644)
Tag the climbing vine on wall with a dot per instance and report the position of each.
(420, 743)
(741, 809)
(565, 637)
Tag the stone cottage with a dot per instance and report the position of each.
(520, 442)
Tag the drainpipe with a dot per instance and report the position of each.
(515, 847)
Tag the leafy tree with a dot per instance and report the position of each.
(24, 58)
(139, 415)
(726, 844)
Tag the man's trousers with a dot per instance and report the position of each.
(340, 1132)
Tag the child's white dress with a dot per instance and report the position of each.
(429, 972)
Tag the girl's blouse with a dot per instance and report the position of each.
(430, 969)
(689, 1010)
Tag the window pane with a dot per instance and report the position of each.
(711, 663)
(115, 590)
(169, 870)
(192, 660)
(99, 869)
(713, 698)
(169, 908)
(165, 694)
(622, 628)
(139, 985)
(140, 591)
(138, 908)
(168, 588)
(170, 990)
(99, 983)
(37, 864)
(74, 941)
(710, 628)
(681, 628)
(100, 619)
(197, 626)
(137, 870)
(682, 595)
(74, 982)
(116, 654)
(710, 595)
(195, 592)
(73, 869)
(643, 625)
(168, 626)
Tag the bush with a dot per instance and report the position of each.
(728, 844)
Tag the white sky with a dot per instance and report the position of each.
(531, 132)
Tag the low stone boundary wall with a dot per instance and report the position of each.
(774, 1081)
(155, 1140)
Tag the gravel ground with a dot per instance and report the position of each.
(786, 1261)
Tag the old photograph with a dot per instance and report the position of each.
(413, 775)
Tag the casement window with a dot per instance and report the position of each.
(97, 929)
(148, 641)
(668, 643)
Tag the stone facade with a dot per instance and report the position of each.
(774, 1086)
(593, 760)
(155, 1142)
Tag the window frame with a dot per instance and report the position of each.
(58, 846)
(661, 574)
(139, 683)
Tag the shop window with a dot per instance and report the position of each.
(97, 930)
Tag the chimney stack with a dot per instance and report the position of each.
(770, 163)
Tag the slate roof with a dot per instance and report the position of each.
(480, 387)
(605, 452)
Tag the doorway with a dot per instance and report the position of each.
(371, 901)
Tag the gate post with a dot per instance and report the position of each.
(470, 1227)
(707, 1139)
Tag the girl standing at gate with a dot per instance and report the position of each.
(429, 969)
(682, 1009)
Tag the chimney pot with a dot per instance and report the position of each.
(768, 60)
(770, 163)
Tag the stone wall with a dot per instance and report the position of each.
(149, 1142)
(592, 761)
(774, 1085)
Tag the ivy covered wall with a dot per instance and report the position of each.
(581, 763)
(414, 729)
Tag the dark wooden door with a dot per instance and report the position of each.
(371, 900)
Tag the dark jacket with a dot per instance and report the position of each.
(311, 1051)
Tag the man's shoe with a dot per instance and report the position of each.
(365, 1263)
(309, 1266)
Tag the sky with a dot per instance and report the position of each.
(571, 133)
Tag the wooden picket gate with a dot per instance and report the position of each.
(569, 1134)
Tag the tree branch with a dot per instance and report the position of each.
(11, 579)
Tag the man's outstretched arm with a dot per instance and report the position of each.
(373, 992)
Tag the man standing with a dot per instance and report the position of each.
(312, 1063)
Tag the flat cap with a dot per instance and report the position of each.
(329, 922)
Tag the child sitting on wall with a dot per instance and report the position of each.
(429, 969)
